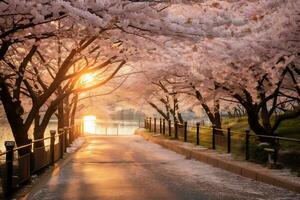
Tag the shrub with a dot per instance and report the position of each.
(257, 153)
(290, 159)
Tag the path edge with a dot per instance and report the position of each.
(220, 163)
(48, 174)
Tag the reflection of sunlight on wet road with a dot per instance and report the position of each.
(89, 124)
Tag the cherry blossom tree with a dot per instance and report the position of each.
(243, 51)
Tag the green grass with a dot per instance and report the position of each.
(238, 125)
(289, 129)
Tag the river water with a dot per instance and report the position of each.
(111, 128)
(97, 127)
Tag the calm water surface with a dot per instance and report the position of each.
(97, 127)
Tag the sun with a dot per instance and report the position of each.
(87, 78)
(89, 124)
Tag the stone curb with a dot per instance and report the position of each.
(228, 165)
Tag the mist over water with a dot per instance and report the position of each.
(101, 127)
(115, 128)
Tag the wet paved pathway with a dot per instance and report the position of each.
(130, 168)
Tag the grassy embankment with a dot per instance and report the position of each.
(290, 151)
(289, 128)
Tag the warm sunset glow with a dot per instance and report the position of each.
(87, 78)
(89, 124)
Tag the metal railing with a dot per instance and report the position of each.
(245, 145)
(17, 165)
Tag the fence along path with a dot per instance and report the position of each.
(240, 144)
(17, 169)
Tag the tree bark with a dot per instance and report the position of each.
(214, 117)
(12, 109)
(4, 48)
(161, 112)
(66, 111)
(38, 133)
(74, 108)
(60, 116)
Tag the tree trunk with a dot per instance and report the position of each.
(66, 112)
(161, 112)
(264, 114)
(173, 111)
(37, 133)
(60, 116)
(256, 127)
(4, 48)
(217, 117)
(179, 116)
(167, 112)
(14, 118)
(74, 108)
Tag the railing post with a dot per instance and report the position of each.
(76, 131)
(69, 136)
(75, 128)
(9, 146)
(160, 129)
(198, 133)
(146, 121)
(61, 142)
(66, 132)
(276, 149)
(118, 129)
(176, 129)
(52, 141)
(185, 131)
(213, 137)
(247, 131)
(228, 140)
(150, 124)
(82, 128)
(154, 125)
(72, 133)
(170, 127)
(79, 130)
(164, 126)
(145, 124)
